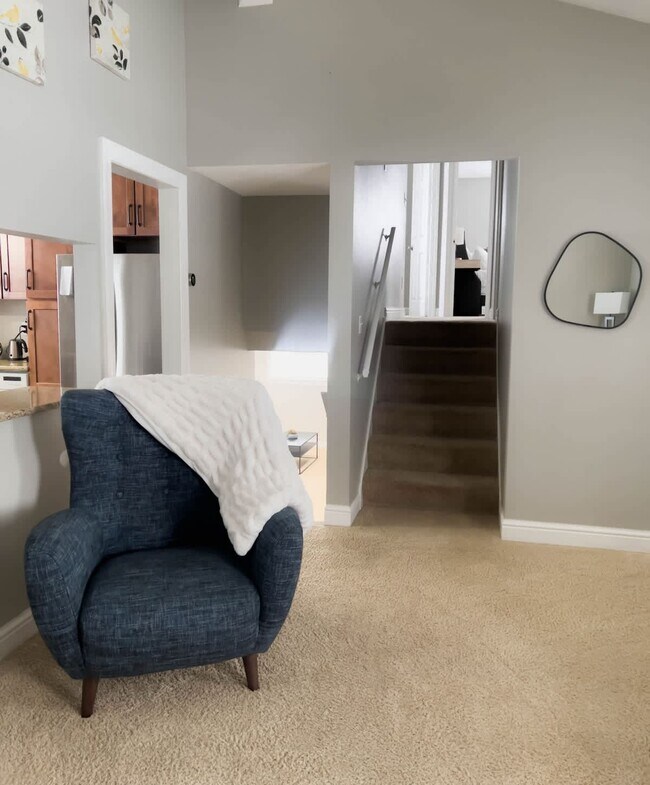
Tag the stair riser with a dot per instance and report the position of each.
(466, 425)
(440, 459)
(393, 492)
(403, 359)
(444, 334)
(408, 389)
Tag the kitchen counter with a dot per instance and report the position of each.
(13, 366)
(28, 400)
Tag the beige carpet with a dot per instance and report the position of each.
(413, 655)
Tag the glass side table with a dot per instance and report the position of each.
(302, 446)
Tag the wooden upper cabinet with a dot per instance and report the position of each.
(123, 206)
(135, 208)
(43, 342)
(41, 268)
(147, 223)
(13, 270)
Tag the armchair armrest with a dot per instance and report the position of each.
(274, 563)
(60, 556)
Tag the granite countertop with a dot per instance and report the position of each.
(24, 401)
(13, 366)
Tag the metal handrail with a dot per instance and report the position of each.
(375, 305)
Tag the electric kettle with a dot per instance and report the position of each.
(17, 349)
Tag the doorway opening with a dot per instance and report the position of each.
(438, 417)
(285, 226)
(37, 318)
(452, 210)
(145, 264)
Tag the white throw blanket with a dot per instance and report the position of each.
(227, 431)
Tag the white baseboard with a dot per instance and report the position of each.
(15, 632)
(633, 540)
(340, 515)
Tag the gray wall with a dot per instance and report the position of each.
(216, 328)
(379, 204)
(34, 484)
(50, 187)
(564, 89)
(285, 243)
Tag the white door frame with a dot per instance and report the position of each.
(172, 185)
(447, 266)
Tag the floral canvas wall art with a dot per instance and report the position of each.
(22, 39)
(110, 34)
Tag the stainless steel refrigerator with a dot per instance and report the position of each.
(138, 334)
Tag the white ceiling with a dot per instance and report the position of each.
(276, 180)
(632, 9)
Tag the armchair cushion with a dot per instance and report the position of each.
(167, 608)
(60, 556)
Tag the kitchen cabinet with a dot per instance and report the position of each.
(147, 223)
(135, 208)
(40, 264)
(43, 342)
(13, 270)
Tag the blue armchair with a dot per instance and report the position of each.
(139, 576)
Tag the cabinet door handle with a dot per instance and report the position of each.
(5, 281)
(29, 285)
(130, 215)
(139, 215)
(30, 325)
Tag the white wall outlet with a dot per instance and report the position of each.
(360, 325)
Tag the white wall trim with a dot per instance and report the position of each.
(632, 540)
(341, 515)
(16, 632)
(396, 313)
(174, 252)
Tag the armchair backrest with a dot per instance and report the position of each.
(142, 494)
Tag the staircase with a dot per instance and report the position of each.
(434, 436)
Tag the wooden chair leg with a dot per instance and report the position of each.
(88, 694)
(252, 675)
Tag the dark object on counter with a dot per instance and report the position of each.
(467, 294)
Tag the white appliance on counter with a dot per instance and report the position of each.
(138, 326)
(13, 381)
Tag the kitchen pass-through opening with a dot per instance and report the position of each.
(37, 314)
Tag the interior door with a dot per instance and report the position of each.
(13, 267)
(41, 268)
(43, 341)
(420, 243)
(123, 206)
(146, 214)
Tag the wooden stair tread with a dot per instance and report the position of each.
(433, 479)
(434, 442)
(463, 378)
(457, 408)
(462, 349)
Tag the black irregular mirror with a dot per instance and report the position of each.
(594, 282)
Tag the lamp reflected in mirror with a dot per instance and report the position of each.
(611, 305)
(594, 283)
